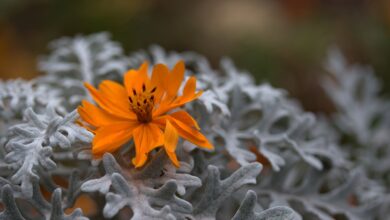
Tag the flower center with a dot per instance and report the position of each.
(142, 104)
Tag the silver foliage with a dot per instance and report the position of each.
(30, 145)
(18, 95)
(39, 207)
(215, 191)
(247, 211)
(363, 115)
(82, 59)
(322, 195)
(150, 199)
(147, 199)
(272, 123)
(10, 211)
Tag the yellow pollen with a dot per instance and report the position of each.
(142, 104)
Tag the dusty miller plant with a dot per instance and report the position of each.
(272, 160)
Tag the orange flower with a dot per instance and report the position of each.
(143, 110)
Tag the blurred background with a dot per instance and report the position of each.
(284, 42)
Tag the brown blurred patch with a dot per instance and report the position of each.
(386, 11)
(222, 24)
(60, 181)
(298, 9)
(15, 60)
(87, 205)
(353, 200)
(260, 157)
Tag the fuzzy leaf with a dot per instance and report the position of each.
(128, 194)
(33, 149)
(82, 59)
(57, 212)
(214, 190)
(10, 209)
(303, 192)
(247, 212)
(363, 116)
(147, 198)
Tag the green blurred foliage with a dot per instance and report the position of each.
(283, 42)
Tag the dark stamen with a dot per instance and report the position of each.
(153, 90)
(152, 97)
(143, 87)
(131, 100)
(134, 92)
(144, 101)
(138, 104)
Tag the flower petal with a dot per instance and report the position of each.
(171, 137)
(190, 87)
(175, 79)
(134, 79)
(171, 83)
(159, 75)
(190, 134)
(172, 156)
(96, 116)
(188, 92)
(189, 95)
(109, 138)
(140, 153)
(105, 102)
(146, 138)
(117, 93)
(166, 106)
(157, 135)
(186, 118)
